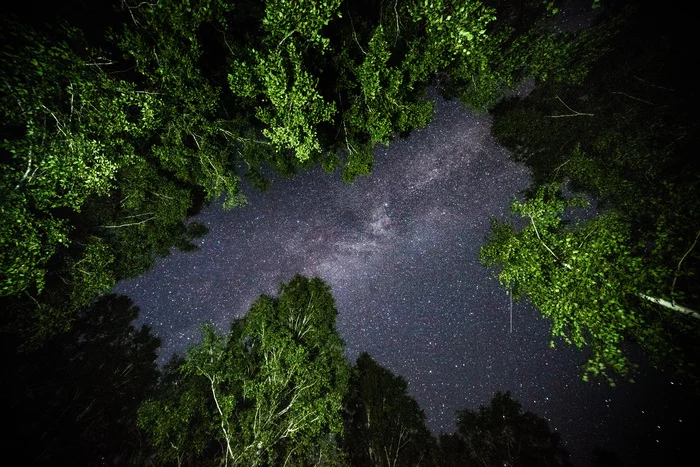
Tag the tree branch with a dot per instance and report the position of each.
(573, 113)
(221, 413)
(567, 266)
(631, 97)
(127, 225)
(666, 304)
(678, 269)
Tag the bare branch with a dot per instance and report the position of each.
(653, 85)
(127, 225)
(139, 215)
(285, 38)
(573, 113)
(354, 34)
(567, 266)
(98, 64)
(26, 172)
(678, 269)
(665, 303)
(631, 97)
(58, 124)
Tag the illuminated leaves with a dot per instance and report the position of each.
(584, 278)
(272, 389)
(306, 18)
(291, 105)
(382, 107)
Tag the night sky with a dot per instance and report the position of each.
(400, 250)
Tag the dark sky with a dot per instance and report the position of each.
(400, 249)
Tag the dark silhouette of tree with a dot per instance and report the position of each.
(502, 435)
(74, 401)
(384, 425)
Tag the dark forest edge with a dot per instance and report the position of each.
(623, 141)
(110, 143)
(275, 390)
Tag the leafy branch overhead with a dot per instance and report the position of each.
(115, 146)
(587, 278)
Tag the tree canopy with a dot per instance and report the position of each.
(110, 143)
(625, 271)
(270, 392)
(114, 134)
(502, 434)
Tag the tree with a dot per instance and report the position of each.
(111, 148)
(81, 206)
(272, 389)
(74, 401)
(621, 136)
(501, 434)
(384, 426)
(66, 126)
(588, 279)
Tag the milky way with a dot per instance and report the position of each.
(400, 249)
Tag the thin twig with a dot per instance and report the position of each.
(568, 266)
(561, 165)
(654, 85)
(354, 35)
(18, 101)
(98, 64)
(26, 172)
(58, 124)
(678, 269)
(573, 113)
(631, 97)
(285, 38)
(397, 22)
(127, 225)
(139, 215)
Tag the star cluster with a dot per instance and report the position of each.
(400, 249)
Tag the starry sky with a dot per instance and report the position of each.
(400, 250)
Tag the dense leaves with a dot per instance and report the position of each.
(110, 143)
(109, 147)
(584, 277)
(625, 272)
(271, 391)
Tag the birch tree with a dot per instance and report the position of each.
(273, 388)
(598, 289)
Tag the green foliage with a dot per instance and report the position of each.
(274, 386)
(105, 157)
(26, 245)
(194, 143)
(306, 18)
(65, 123)
(383, 108)
(623, 137)
(295, 106)
(91, 275)
(585, 277)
